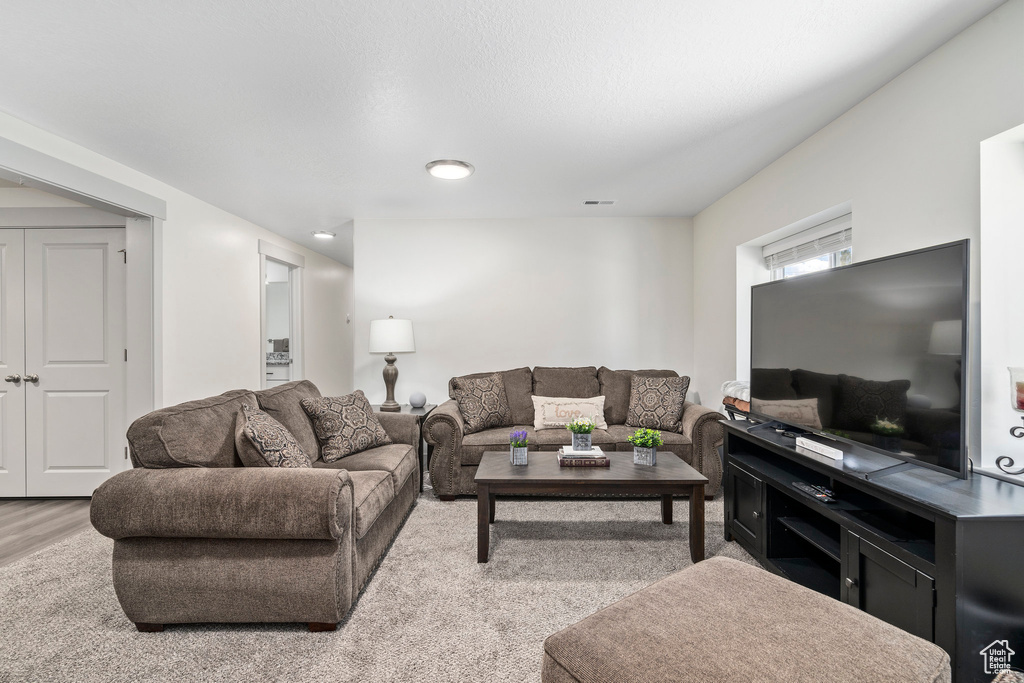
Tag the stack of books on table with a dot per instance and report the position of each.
(595, 457)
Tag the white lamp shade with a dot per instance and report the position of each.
(391, 336)
(946, 338)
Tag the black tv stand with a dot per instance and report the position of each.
(892, 469)
(938, 556)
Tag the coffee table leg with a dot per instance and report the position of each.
(666, 509)
(483, 530)
(491, 504)
(697, 523)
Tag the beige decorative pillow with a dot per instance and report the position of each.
(657, 402)
(482, 402)
(262, 441)
(344, 425)
(803, 412)
(555, 413)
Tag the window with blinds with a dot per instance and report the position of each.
(819, 248)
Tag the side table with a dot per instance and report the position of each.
(421, 413)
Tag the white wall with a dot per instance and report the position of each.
(906, 159)
(488, 295)
(210, 294)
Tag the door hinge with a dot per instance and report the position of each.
(124, 253)
(126, 354)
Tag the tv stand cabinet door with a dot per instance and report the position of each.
(746, 509)
(887, 588)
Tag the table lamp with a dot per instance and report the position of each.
(391, 336)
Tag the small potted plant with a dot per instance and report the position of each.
(517, 443)
(887, 434)
(581, 428)
(645, 446)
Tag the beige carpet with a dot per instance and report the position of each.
(430, 613)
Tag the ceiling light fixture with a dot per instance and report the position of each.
(450, 169)
(323, 234)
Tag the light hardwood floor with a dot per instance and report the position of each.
(28, 525)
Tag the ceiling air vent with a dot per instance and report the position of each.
(596, 202)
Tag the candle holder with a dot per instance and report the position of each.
(1005, 462)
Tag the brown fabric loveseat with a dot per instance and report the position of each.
(200, 538)
(456, 455)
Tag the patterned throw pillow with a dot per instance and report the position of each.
(657, 402)
(862, 401)
(262, 441)
(344, 425)
(482, 402)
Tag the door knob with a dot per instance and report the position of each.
(850, 583)
(757, 515)
(31, 378)
(12, 378)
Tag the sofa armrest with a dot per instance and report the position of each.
(443, 429)
(236, 502)
(704, 428)
(401, 427)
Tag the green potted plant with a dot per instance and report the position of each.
(517, 447)
(581, 428)
(887, 434)
(645, 446)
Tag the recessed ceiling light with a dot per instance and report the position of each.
(323, 234)
(450, 169)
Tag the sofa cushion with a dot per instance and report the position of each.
(398, 460)
(193, 434)
(724, 620)
(567, 382)
(262, 441)
(551, 412)
(821, 386)
(372, 492)
(619, 435)
(344, 425)
(518, 391)
(615, 386)
(483, 402)
(474, 445)
(283, 403)
(862, 401)
(772, 384)
(657, 402)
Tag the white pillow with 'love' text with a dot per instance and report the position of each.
(555, 413)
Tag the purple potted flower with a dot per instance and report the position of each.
(517, 444)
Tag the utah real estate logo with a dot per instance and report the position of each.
(997, 656)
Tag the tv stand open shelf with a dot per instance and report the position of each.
(938, 556)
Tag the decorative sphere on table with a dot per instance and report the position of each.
(418, 400)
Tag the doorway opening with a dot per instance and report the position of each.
(280, 315)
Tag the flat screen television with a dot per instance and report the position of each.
(870, 353)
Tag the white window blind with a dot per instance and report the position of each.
(828, 237)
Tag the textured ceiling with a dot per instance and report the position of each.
(303, 114)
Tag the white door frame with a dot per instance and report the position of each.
(296, 263)
(144, 277)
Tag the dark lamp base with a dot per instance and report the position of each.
(390, 407)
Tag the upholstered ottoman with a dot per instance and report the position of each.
(723, 620)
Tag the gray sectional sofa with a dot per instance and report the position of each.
(200, 538)
(456, 454)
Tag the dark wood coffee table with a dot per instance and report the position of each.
(671, 476)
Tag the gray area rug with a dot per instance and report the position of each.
(430, 613)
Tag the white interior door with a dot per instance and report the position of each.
(74, 359)
(12, 363)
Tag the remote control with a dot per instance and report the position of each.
(819, 493)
